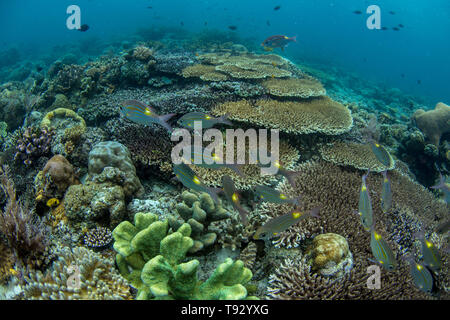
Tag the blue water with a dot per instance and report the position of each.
(328, 32)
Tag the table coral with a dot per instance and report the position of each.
(433, 123)
(294, 87)
(152, 259)
(199, 211)
(321, 115)
(357, 155)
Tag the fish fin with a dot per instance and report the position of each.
(238, 169)
(441, 183)
(289, 175)
(224, 119)
(163, 121)
(243, 213)
(294, 38)
(213, 193)
(315, 212)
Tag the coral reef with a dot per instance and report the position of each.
(116, 155)
(99, 237)
(321, 115)
(151, 258)
(78, 274)
(433, 123)
(352, 154)
(33, 143)
(293, 87)
(199, 211)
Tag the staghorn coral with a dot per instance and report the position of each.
(359, 156)
(199, 211)
(32, 144)
(433, 123)
(116, 155)
(288, 156)
(151, 258)
(98, 278)
(310, 116)
(294, 87)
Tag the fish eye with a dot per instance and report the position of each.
(263, 235)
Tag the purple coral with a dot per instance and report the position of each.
(33, 143)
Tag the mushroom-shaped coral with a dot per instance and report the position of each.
(199, 210)
(309, 116)
(357, 155)
(294, 87)
(329, 255)
(433, 123)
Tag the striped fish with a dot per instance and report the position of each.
(381, 153)
(365, 205)
(382, 252)
(422, 277)
(276, 225)
(386, 193)
(233, 196)
(431, 256)
(141, 113)
(269, 194)
(188, 178)
(207, 121)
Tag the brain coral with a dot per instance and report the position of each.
(116, 155)
(294, 87)
(336, 189)
(357, 155)
(433, 123)
(98, 278)
(315, 115)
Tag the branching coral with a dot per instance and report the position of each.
(78, 274)
(310, 116)
(352, 154)
(33, 143)
(199, 211)
(433, 123)
(336, 189)
(294, 87)
(152, 259)
(24, 233)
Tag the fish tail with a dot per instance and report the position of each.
(419, 235)
(290, 176)
(294, 38)
(224, 119)
(441, 183)
(238, 169)
(243, 213)
(213, 193)
(315, 212)
(163, 121)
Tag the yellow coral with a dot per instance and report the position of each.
(302, 88)
(352, 154)
(52, 202)
(328, 247)
(71, 132)
(315, 115)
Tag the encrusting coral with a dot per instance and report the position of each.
(433, 123)
(321, 115)
(78, 274)
(294, 87)
(151, 258)
(353, 154)
(199, 211)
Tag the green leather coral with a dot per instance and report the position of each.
(152, 259)
(199, 210)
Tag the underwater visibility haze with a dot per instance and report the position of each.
(327, 176)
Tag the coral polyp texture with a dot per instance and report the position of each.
(32, 144)
(357, 155)
(319, 115)
(78, 274)
(293, 87)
